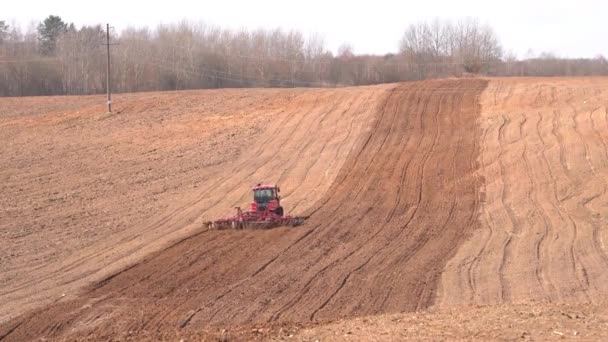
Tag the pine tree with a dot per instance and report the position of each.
(3, 31)
(48, 32)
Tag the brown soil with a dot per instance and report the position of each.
(521, 322)
(545, 213)
(86, 194)
(436, 194)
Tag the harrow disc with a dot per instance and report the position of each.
(258, 224)
(248, 222)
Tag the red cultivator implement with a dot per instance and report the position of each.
(264, 212)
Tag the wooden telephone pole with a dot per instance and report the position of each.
(108, 79)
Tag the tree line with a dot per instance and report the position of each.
(56, 57)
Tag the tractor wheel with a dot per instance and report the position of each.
(279, 211)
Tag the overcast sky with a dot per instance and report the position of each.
(569, 28)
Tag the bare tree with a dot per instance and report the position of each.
(466, 44)
(81, 59)
(190, 55)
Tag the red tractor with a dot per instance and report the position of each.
(266, 198)
(264, 212)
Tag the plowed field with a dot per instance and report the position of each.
(545, 212)
(425, 195)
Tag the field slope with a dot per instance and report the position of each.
(423, 195)
(544, 157)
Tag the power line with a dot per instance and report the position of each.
(279, 81)
(27, 60)
(224, 75)
(317, 61)
(51, 59)
(236, 78)
(215, 73)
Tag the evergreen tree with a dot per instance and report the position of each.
(3, 31)
(48, 32)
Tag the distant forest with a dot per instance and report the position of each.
(57, 58)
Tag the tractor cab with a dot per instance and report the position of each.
(266, 198)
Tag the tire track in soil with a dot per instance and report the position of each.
(304, 146)
(336, 264)
(544, 245)
(392, 239)
(234, 287)
(553, 169)
(381, 227)
(505, 292)
(578, 269)
(317, 161)
(306, 288)
(538, 244)
(188, 215)
(474, 265)
(590, 157)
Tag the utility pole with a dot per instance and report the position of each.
(108, 84)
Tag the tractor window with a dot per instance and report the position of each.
(263, 196)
